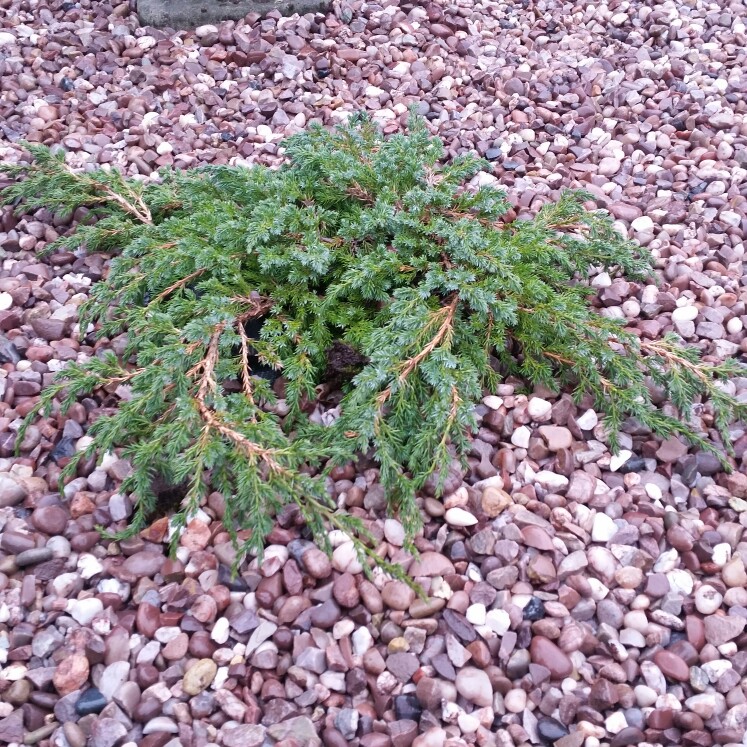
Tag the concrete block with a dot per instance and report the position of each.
(189, 14)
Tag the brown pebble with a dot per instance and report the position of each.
(660, 718)
(695, 631)
(71, 674)
(544, 652)
(672, 666)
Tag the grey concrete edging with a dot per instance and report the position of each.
(189, 14)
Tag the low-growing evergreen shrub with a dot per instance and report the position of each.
(362, 265)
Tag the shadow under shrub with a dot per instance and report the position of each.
(362, 252)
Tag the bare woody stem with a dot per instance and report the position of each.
(663, 351)
(245, 369)
(137, 208)
(411, 364)
(208, 385)
(453, 412)
(606, 383)
(178, 284)
(446, 326)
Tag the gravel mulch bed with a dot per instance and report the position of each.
(574, 598)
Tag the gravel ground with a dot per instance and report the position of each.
(574, 598)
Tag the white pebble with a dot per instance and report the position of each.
(458, 517)
(334, 681)
(60, 546)
(617, 460)
(84, 610)
(685, 329)
(667, 561)
(162, 724)
(630, 637)
(15, 672)
(721, 554)
(643, 229)
(731, 218)
(631, 308)
(515, 700)
(493, 402)
(476, 614)
(707, 599)
(551, 481)
(220, 678)
(645, 696)
(603, 280)
(394, 532)
(362, 641)
(498, 621)
(342, 629)
(167, 634)
(468, 723)
(520, 437)
(64, 584)
(114, 586)
(345, 559)
(220, 630)
(539, 409)
(148, 653)
(653, 491)
(636, 620)
(684, 314)
(588, 421)
(603, 529)
(89, 566)
(616, 722)
(598, 590)
(681, 581)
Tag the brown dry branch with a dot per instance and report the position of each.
(123, 378)
(453, 412)
(179, 284)
(447, 312)
(412, 363)
(137, 208)
(359, 193)
(207, 385)
(245, 368)
(258, 306)
(558, 358)
(661, 349)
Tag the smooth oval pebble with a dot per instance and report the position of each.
(544, 652)
(160, 724)
(199, 676)
(707, 599)
(474, 685)
(458, 517)
(91, 701)
(673, 666)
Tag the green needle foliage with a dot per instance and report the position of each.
(362, 250)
